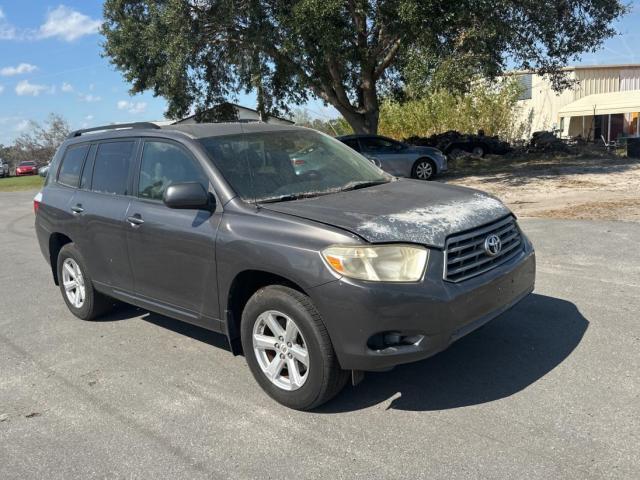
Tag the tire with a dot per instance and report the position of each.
(93, 304)
(478, 151)
(317, 382)
(423, 169)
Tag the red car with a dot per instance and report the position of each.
(26, 168)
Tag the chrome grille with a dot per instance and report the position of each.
(466, 257)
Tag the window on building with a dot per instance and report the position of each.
(525, 81)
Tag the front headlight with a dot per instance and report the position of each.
(378, 263)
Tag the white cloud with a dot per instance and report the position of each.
(7, 31)
(1, 88)
(66, 87)
(67, 24)
(27, 88)
(132, 107)
(89, 98)
(17, 70)
(88, 117)
(22, 125)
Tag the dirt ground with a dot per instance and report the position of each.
(557, 187)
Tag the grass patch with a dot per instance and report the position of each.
(14, 184)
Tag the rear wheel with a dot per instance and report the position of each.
(76, 286)
(423, 169)
(288, 350)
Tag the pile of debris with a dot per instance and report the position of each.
(546, 142)
(457, 144)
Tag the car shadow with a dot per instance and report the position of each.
(500, 359)
(506, 356)
(127, 312)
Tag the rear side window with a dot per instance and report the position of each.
(163, 164)
(111, 167)
(71, 167)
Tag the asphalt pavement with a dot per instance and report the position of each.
(551, 389)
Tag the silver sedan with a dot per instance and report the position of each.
(398, 158)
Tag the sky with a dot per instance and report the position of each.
(50, 61)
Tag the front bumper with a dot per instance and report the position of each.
(434, 311)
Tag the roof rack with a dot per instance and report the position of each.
(117, 126)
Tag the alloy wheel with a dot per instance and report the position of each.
(73, 282)
(424, 170)
(281, 350)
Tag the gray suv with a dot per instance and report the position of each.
(315, 276)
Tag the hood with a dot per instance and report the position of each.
(400, 211)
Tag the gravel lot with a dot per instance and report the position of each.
(569, 188)
(549, 390)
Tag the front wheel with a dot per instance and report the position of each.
(423, 169)
(288, 349)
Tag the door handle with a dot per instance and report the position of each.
(77, 209)
(135, 220)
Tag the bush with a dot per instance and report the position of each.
(492, 107)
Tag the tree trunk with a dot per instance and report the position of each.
(362, 123)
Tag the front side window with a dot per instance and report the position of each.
(111, 167)
(379, 144)
(353, 143)
(71, 167)
(163, 164)
(289, 164)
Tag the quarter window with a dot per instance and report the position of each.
(163, 164)
(111, 168)
(71, 167)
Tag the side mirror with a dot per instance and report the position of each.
(188, 196)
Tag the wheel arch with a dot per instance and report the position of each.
(243, 286)
(56, 242)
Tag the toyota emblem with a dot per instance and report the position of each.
(492, 245)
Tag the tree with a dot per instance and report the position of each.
(333, 126)
(40, 141)
(196, 53)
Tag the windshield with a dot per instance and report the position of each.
(289, 164)
(27, 164)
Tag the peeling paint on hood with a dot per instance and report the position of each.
(401, 211)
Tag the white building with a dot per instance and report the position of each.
(604, 102)
(243, 114)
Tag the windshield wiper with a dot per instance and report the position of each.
(364, 184)
(289, 197)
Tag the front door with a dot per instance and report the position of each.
(172, 251)
(388, 152)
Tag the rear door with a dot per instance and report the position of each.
(172, 251)
(101, 203)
